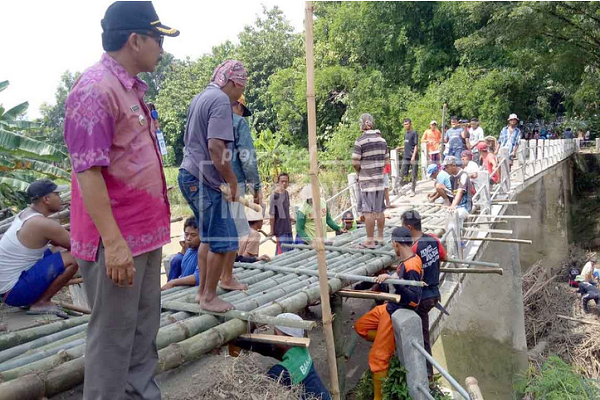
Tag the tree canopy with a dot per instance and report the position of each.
(396, 60)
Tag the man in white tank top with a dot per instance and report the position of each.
(30, 273)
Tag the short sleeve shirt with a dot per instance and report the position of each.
(455, 141)
(108, 125)
(444, 178)
(372, 151)
(432, 137)
(475, 136)
(411, 140)
(279, 208)
(462, 183)
(209, 117)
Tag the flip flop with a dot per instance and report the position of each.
(49, 310)
(365, 246)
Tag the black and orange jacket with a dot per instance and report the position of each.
(410, 296)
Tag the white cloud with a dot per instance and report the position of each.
(42, 39)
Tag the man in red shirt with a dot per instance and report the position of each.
(489, 161)
(431, 252)
(120, 216)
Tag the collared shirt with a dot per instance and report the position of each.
(510, 141)
(371, 150)
(107, 124)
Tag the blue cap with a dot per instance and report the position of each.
(431, 169)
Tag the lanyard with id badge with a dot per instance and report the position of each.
(160, 137)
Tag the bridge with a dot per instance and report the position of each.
(46, 360)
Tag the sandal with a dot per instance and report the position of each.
(49, 310)
(365, 246)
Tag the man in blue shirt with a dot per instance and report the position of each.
(443, 185)
(510, 136)
(189, 264)
(568, 134)
(455, 138)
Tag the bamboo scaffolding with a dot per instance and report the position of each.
(72, 307)
(244, 316)
(495, 239)
(38, 355)
(475, 223)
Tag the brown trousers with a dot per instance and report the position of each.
(120, 352)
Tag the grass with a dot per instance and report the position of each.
(179, 207)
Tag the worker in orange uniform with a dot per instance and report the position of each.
(376, 325)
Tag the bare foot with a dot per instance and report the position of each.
(216, 305)
(199, 298)
(233, 284)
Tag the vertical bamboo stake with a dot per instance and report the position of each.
(314, 180)
(443, 126)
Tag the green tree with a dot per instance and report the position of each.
(52, 123)
(266, 47)
(155, 79)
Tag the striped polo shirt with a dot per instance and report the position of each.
(371, 150)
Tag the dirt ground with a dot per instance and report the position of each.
(192, 379)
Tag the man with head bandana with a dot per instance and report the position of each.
(206, 166)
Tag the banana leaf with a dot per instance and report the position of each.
(3, 85)
(14, 112)
(19, 145)
(14, 183)
(45, 168)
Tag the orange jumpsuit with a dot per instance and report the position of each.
(379, 319)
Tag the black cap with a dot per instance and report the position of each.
(44, 187)
(348, 215)
(134, 16)
(402, 235)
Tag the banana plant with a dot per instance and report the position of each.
(23, 159)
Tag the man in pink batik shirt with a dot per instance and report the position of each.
(120, 216)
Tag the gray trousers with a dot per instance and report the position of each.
(120, 352)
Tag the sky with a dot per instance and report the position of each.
(41, 39)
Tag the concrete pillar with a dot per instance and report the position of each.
(407, 328)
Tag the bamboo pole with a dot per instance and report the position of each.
(501, 231)
(314, 178)
(383, 253)
(473, 388)
(581, 321)
(342, 276)
(74, 281)
(502, 240)
(476, 223)
(72, 307)
(367, 294)
(275, 339)
(11, 339)
(244, 316)
(472, 270)
(337, 306)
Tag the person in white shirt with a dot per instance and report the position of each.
(30, 272)
(475, 136)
